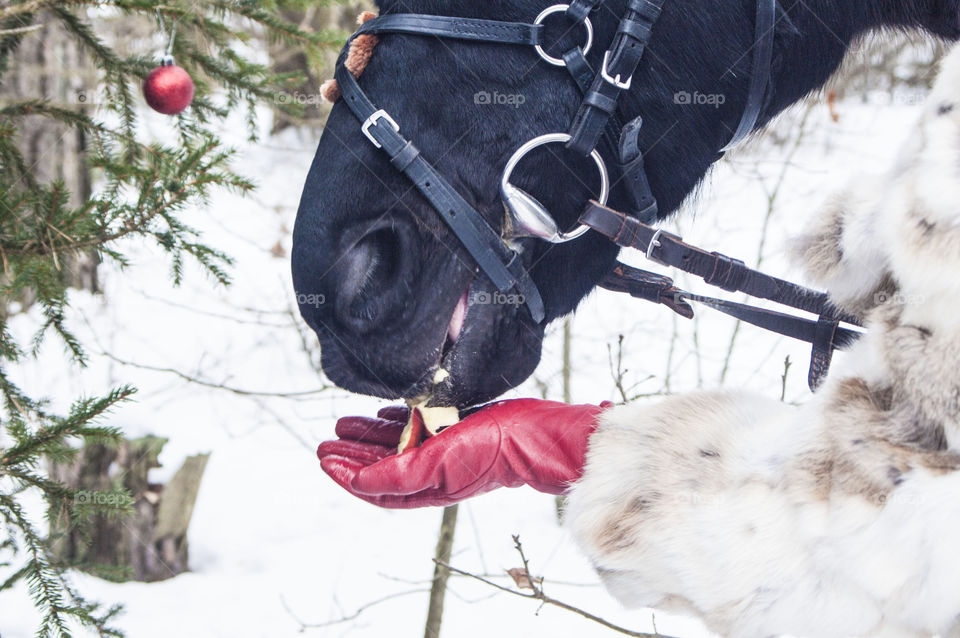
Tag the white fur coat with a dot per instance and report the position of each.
(839, 518)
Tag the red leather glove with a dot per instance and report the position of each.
(506, 444)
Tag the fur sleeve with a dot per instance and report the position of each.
(840, 250)
(656, 468)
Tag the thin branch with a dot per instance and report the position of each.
(537, 594)
(217, 386)
(786, 373)
(548, 600)
(347, 618)
(772, 202)
(20, 30)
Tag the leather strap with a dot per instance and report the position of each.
(582, 73)
(456, 28)
(580, 9)
(616, 73)
(501, 264)
(643, 204)
(579, 68)
(642, 284)
(593, 121)
(714, 268)
(783, 324)
(759, 73)
(826, 335)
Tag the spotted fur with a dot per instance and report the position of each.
(837, 518)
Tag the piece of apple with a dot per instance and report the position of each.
(426, 421)
(414, 434)
(435, 419)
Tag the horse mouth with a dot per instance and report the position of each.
(455, 329)
(490, 346)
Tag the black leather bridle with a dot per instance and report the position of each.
(595, 124)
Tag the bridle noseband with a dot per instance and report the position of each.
(595, 125)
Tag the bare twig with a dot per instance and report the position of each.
(786, 372)
(537, 593)
(218, 386)
(567, 365)
(616, 368)
(347, 618)
(772, 201)
(668, 372)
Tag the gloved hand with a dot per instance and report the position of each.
(506, 444)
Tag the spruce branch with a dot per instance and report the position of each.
(140, 191)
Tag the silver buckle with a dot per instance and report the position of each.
(617, 82)
(655, 243)
(374, 120)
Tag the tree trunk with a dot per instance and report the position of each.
(560, 501)
(438, 590)
(49, 64)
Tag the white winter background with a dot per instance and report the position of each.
(276, 545)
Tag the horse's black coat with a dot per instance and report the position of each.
(377, 273)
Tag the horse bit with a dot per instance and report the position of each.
(595, 124)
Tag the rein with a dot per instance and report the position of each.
(596, 125)
(731, 275)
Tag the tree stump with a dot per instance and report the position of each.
(122, 527)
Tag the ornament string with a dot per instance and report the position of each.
(168, 54)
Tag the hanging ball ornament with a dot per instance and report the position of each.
(168, 89)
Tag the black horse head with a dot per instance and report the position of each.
(383, 281)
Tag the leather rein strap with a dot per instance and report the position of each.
(731, 275)
(759, 73)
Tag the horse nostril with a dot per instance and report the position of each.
(365, 274)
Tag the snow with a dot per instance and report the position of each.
(274, 540)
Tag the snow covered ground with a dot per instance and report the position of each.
(275, 544)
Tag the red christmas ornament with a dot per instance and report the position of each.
(168, 88)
